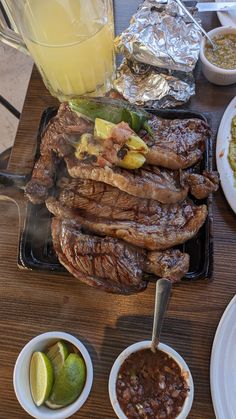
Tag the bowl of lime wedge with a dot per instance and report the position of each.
(53, 376)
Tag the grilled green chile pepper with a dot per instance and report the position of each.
(112, 110)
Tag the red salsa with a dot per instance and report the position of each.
(151, 385)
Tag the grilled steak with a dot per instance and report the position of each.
(202, 185)
(65, 128)
(147, 182)
(151, 182)
(170, 264)
(110, 264)
(178, 143)
(145, 223)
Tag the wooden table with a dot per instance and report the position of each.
(34, 302)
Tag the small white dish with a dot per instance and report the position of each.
(222, 148)
(223, 365)
(227, 18)
(214, 74)
(21, 376)
(137, 347)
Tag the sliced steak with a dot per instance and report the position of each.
(145, 223)
(178, 143)
(147, 182)
(110, 264)
(57, 142)
(170, 264)
(151, 182)
(201, 186)
(101, 262)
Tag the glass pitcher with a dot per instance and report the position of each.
(71, 42)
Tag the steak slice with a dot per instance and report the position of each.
(101, 262)
(145, 223)
(171, 264)
(178, 143)
(62, 130)
(147, 182)
(202, 185)
(110, 264)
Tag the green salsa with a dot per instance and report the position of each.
(232, 146)
(224, 55)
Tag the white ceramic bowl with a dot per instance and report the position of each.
(21, 376)
(137, 347)
(212, 73)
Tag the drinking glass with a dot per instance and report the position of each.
(71, 42)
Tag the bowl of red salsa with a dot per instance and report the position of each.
(143, 384)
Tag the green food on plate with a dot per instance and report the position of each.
(232, 146)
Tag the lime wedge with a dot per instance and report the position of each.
(41, 377)
(52, 406)
(57, 355)
(102, 128)
(69, 382)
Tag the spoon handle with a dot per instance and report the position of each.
(179, 2)
(163, 290)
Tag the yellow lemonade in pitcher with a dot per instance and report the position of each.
(72, 45)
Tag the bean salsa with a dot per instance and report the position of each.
(151, 385)
(224, 54)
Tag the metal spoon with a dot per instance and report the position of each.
(163, 290)
(196, 23)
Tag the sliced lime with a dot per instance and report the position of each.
(57, 355)
(103, 129)
(52, 406)
(69, 382)
(41, 377)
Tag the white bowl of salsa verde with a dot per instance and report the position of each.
(150, 385)
(219, 64)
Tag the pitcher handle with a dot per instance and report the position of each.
(9, 36)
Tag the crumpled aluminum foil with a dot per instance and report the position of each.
(146, 85)
(162, 37)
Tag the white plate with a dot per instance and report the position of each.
(227, 18)
(222, 147)
(223, 365)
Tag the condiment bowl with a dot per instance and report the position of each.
(21, 376)
(213, 73)
(145, 345)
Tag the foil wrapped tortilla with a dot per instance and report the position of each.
(161, 47)
(146, 85)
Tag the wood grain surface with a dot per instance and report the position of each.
(32, 302)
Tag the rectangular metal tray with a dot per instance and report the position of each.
(35, 245)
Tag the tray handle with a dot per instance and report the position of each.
(6, 177)
(17, 197)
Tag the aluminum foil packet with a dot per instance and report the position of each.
(143, 84)
(161, 47)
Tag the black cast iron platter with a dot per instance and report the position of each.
(35, 245)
